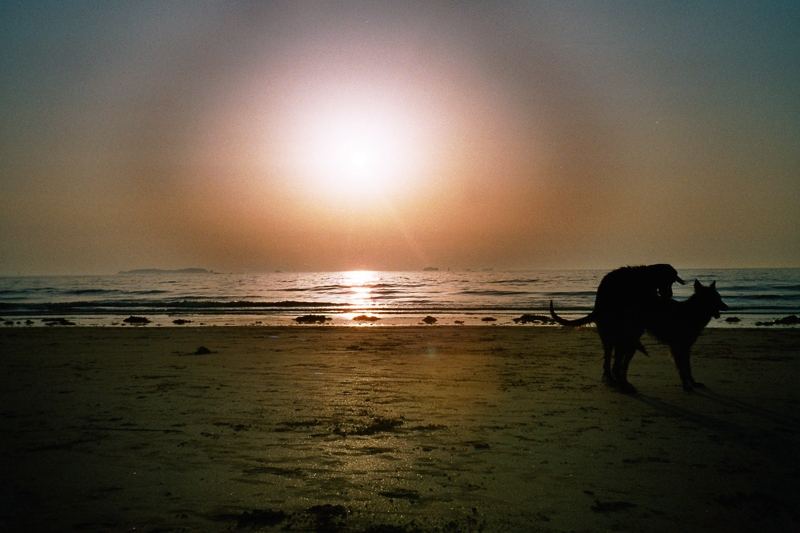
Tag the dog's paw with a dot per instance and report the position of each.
(698, 385)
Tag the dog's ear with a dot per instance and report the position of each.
(697, 285)
(713, 284)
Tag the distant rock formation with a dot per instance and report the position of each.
(430, 320)
(193, 270)
(58, 321)
(312, 319)
(790, 320)
(528, 318)
(365, 318)
(136, 320)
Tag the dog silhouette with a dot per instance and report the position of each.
(623, 299)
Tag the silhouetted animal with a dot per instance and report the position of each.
(623, 298)
(676, 324)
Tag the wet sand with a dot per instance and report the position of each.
(392, 429)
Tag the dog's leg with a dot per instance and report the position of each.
(628, 341)
(630, 351)
(622, 360)
(618, 359)
(608, 350)
(681, 357)
(695, 384)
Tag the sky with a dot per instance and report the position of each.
(254, 136)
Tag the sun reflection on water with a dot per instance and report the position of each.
(360, 282)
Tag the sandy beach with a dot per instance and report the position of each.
(393, 429)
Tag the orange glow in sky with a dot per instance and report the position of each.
(397, 135)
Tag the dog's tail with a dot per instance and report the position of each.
(588, 319)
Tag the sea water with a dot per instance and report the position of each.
(396, 298)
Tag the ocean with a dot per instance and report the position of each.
(755, 296)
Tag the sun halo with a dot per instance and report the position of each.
(358, 152)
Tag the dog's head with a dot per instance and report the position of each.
(663, 276)
(709, 298)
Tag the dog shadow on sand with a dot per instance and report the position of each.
(769, 430)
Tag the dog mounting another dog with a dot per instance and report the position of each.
(621, 302)
(632, 300)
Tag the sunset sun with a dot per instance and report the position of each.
(358, 149)
(359, 154)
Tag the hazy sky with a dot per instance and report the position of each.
(396, 135)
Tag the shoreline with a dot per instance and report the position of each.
(397, 298)
(412, 428)
(346, 319)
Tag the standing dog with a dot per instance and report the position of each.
(676, 324)
(623, 298)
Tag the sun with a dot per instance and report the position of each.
(359, 154)
(360, 149)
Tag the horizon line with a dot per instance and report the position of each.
(134, 272)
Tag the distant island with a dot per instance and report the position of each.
(193, 270)
(430, 269)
